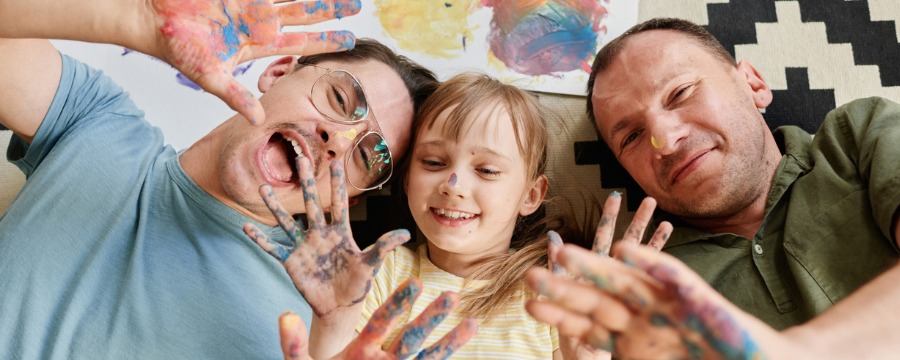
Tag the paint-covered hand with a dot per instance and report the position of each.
(569, 347)
(603, 239)
(324, 261)
(606, 229)
(648, 305)
(206, 39)
(371, 342)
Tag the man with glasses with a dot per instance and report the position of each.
(120, 247)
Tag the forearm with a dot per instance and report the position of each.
(864, 325)
(330, 335)
(121, 22)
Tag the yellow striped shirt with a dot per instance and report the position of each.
(513, 334)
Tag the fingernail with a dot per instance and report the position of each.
(289, 319)
(616, 194)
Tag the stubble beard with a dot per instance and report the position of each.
(742, 182)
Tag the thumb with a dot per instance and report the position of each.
(221, 83)
(385, 244)
(292, 330)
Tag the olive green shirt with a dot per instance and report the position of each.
(828, 220)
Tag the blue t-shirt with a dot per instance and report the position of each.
(112, 251)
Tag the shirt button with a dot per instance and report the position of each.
(758, 249)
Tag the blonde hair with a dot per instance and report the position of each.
(468, 94)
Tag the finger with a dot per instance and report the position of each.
(635, 231)
(221, 83)
(579, 298)
(293, 336)
(388, 314)
(572, 324)
(275, 249)
(306, 43)
(569, 323)
(384, 245)
(661, 236)
(606, 229)
(305, 13)
(310, 194)
(415, 333)
(452, 341)
(293, 229)
(339, 202)
(631, 286)
(704, 310)
(554, 245)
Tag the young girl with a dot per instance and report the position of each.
(474, 183)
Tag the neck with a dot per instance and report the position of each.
(200, 163)
(461, 265)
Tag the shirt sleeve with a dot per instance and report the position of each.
(84, 94)
(868, 135)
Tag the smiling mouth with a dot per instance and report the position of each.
(280, 158)
(687, 168)
(453, 214)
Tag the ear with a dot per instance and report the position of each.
(535, 196)
(275, 71)
(762, 94)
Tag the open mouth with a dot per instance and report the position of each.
(280, 158)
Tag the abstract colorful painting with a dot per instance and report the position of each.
(543, 45)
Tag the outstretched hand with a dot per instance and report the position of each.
(370, 344)
(324, 261)
(206, 40)
(572, 347)
(649, 305)
(606, 229)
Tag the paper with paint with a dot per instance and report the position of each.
(542, 45)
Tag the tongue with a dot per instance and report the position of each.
(277, 161)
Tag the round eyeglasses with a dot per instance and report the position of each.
(339, 97)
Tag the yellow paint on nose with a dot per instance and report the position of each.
(657, 144)
(349, 134)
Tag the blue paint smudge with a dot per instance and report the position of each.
(230, 38)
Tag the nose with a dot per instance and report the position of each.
(338, 139)
(666, 133)
(452, 186)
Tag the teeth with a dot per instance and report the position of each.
(297, 148)
(453, 214)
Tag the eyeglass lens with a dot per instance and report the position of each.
(371, 154)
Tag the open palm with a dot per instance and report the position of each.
(325, 263)
(206, 40)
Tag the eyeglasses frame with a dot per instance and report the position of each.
(373, 128)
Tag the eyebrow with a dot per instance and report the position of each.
(478, 149)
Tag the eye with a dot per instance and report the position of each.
(631, 137)
(431, 163)
(488, 172)
(338, 102)
(681, 92)
(364, 157)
